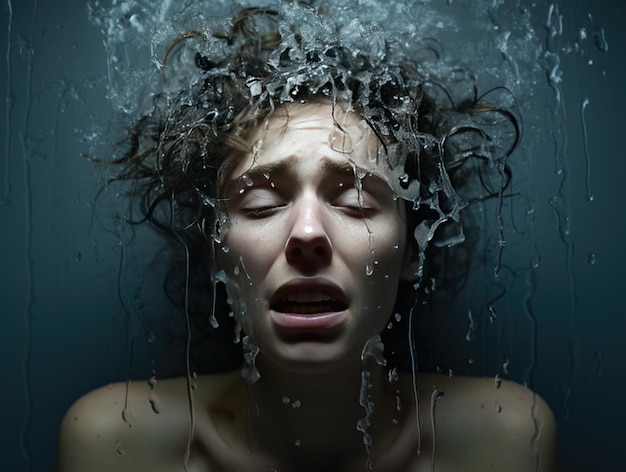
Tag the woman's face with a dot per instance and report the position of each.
(315, 241)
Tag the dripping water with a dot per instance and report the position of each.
(373, 349)
(558, 202)
(250, 372)
(190, 381)
(412, 350)
(434, 398)
(5, 170)
(30, 264)
(583, 107)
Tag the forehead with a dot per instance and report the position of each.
(311, 135)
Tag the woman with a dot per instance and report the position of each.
(321, 185)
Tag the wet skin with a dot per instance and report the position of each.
(316, 239)
(316, 247)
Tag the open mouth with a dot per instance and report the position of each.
(308, 303)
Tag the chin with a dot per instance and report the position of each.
(311, 357)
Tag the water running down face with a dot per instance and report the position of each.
(316, 239)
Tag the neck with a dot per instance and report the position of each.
(297, 416)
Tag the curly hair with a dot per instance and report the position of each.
(218, 83)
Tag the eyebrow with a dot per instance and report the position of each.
(273, 169)
(278, 169)
(260, 173)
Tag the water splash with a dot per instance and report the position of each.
(373, 349)
(249, 372)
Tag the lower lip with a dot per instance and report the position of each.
(313, 322)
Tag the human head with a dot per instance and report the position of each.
(184, 150)
(313, 227)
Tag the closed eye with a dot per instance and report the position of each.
(354, 202)
(259, 202)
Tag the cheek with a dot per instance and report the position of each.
(388, 248)
(247, 252)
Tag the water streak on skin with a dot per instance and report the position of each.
(436, 395)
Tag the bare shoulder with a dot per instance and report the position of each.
(136, 425)
(495, 425)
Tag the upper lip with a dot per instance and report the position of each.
(305, 290)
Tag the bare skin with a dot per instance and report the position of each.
(478, 427)
(314, 258)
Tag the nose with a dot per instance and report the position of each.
(308, 247)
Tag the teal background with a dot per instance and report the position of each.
(75, 292)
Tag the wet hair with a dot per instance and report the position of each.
(446, 149)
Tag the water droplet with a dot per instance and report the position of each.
(120, 448)
(225, 249)
(150, 336)
(599, 356)
(297, 443)
(285, 400)
(599, 40)
(397, 317)
(471, 361)
(369, 269)
(155, 404)
(469, 335)
(497, 381)
(341, 142)
(505, 366)
(591, 258)
(245, 178)
(127, 417)
(296, 404)
(492, 313)
(535, 261)
(393, 375)
(79, 256)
